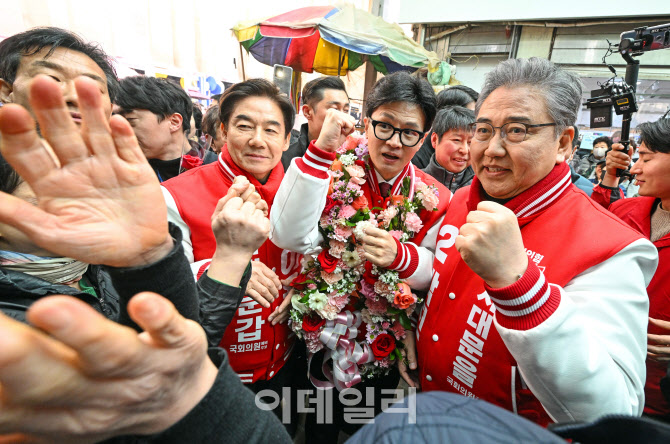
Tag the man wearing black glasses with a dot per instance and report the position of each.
(400, 109)
(537, 302)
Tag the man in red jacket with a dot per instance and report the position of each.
(537, 302)
(650, 215)
(256, 121)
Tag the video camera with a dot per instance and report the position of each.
(619, 93)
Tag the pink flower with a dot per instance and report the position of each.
(355, 170)
(329, 312)
(428, 199)
(377, 307)
(384, 289)
(413, 222)
(398, 331)
(396, 234)
(331, 278)
(368, 290)
(419, 186)
(312, 341)
(386, 325)
(338, 301)
(347, 211)
(336, 248)
(342, 233)
(311, 286)
(357, 180)
(388, 214)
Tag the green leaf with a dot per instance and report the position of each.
(404, 321)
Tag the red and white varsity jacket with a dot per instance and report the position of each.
(636, 212)
(567, 339)
(302, 196)
(256, 349)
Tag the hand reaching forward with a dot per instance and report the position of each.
(100, 202)
(490, 243)
(85, 378)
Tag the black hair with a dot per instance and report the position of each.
(575, 138)
(197, 117)
(211, 121)
(9, 178)
(452, 118)
(30, 42)
(403, 87)
(256, 88)
(160, 96)
(312, 93)
(656, 135)
(457, 95)
(605, 139)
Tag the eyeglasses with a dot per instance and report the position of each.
(512, 132)
(385, 131)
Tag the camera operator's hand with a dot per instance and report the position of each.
(616, 159)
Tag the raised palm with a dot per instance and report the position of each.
(98, 199)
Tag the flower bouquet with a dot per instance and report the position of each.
(342, 303)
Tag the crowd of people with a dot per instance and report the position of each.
(156, 286)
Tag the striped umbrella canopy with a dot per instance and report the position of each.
(332, 41)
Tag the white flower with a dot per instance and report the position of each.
(297, 305)
(351, 258)
(359, 230)
(347, 159)
(317, 300)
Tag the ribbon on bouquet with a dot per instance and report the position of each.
(339, 337)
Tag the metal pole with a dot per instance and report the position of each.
(339, 62)
(244, 77)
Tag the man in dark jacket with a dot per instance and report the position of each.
(318, 96)
(451, 137)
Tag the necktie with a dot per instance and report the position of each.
(384, 189)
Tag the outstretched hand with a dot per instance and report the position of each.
(79, 377)
(98, 199)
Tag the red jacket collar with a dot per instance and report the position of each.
(230, 169)
(533, 200)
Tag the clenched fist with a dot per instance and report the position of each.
(336, 127)
(490, 243)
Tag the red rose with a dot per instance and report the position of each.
(368, 276)
(189, 162)
(330, 203)
(328, 262)
(360, 163)
(299, 283)
(382, 346)
(310, 324)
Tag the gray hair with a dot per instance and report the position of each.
(562, 90)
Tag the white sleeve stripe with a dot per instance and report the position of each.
(524, 298)
(318, 158)
(527, 310)
(406, 260)
(316, 166)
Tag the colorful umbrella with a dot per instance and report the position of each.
(332, 41)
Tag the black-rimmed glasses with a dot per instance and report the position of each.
(385, 131)
(512, 132)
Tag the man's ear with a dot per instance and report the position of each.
(565, 145)
(224, 133)
(434, 140)
(287, 142)
(176, 122)
(6, 90)
(308, 112)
